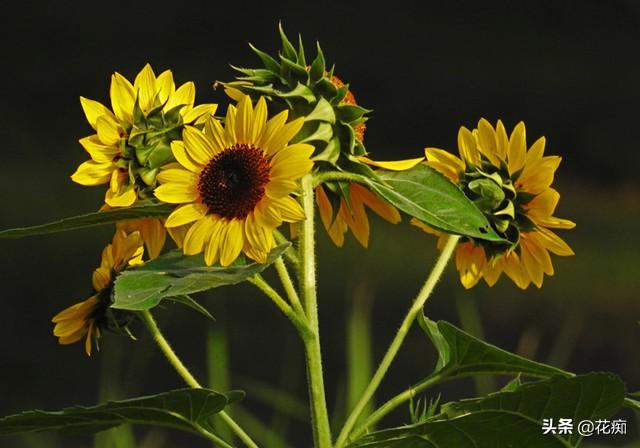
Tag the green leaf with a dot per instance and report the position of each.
(184, 409)
(317, 66)
(173, 274)
(93, 219)
(349, 112)
(430, 197)
(188, 301)
(288, 50)
(460, 355)
(511, 419)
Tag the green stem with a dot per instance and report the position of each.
(326, 176)
(290, 254)
(188, 378)
(283, 273)
(303, 327)
(388, 358)
(307, 274)
(396, 401)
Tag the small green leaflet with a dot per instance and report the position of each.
(511, 418)
(430, 197)
(93, 219)
(184, 409)
(174, 275)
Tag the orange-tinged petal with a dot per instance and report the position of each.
(553, 242)
(356, 219)
(324, 207)
(381, 207)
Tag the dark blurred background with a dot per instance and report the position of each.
(569, 69)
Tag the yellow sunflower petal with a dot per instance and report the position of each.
(179, 152)
(92, 173)
(233, 242)
(470, 261)
(98, 151)
(267, 214)
(514, 268)
(292, 162)
(200, 112)
(487, 141)
(197, 235)
(212, 249)
(166, 86)
(538, 176)
(243, 120)
(272, 128)
(186, 214)
(176, 193)
(230, 124)
(554, 243)
(108, 131)
(280, 187)
(185, 95)
(536, 152)
(259, 120)
(502, 141)
(124, 198)
(393, 165)
(145, 86)
(259, 237)
(100, 279)
(94, 110)
(284, 135)
(122, 97)
(215, 133)
(517, 148)
(467, 147)
(531, 265)
(290, 209)
(445, 162)
(197, 145)
(177, 175)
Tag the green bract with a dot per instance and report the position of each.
(309, 89)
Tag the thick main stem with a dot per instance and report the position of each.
(188, 378)
(392, 351)
(319, 414)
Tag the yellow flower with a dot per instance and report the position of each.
(235, 183)
(133, 141)
(512, 186)
(85, 319)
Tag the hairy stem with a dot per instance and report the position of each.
(299, 322)
(307, 277)
(289, 288)
(393, 349)
(188, 378)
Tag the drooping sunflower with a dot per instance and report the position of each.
(86, 319)
(512, 186)
(133, 141)
(235, 183)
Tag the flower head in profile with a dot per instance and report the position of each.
(234, 184)
(133, 141)
(86, 319)
(511, 185)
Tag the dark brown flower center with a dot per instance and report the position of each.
(234, 181)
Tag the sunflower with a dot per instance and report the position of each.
(512, 186)
(86, 319)
(234, 183)
(133, 142)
